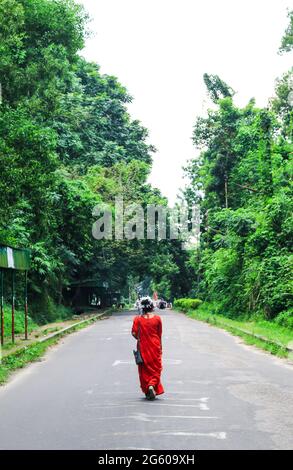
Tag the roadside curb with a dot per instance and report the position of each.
(70, 327)
(60, 333)
(214, 322)
(254, 335)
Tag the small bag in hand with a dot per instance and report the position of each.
(137, 355)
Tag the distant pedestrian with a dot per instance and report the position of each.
(147, 328)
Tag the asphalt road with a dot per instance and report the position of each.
(220, 393)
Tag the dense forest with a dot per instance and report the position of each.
(243, 182)
(67, 143)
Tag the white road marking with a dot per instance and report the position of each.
(116, 363)
(203, 399)
(150, 418)
(157, 402)
(135, 396)
(201, 406)
(215, 435)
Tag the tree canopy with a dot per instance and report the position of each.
(67, 143)
(243, 182)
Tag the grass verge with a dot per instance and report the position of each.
(18, 322)
(264, 334)
(34, 352)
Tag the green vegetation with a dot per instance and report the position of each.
(68, 143)
(18, 322)
(17, 361)
(187, 304)
(242, 180)
(268, 335)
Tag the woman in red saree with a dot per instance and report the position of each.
(149, 329)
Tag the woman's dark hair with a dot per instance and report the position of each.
(147, 305)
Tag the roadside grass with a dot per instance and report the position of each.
(18, 322)
(33, 352)
(36, 329)
(266, 335)
(20, 359)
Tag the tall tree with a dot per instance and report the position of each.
(287, 40)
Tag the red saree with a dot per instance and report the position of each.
(150, 333)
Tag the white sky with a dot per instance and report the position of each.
(160, 49)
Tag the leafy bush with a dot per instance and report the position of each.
(285, 318)
(241, 181)
(18, 321)
(187, 304)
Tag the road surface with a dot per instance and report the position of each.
(84, 394)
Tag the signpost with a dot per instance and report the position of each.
(13, 259)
